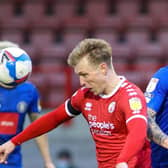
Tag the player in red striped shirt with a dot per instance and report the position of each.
(114, 108)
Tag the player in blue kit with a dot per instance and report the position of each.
(15, 104)
(157, 101)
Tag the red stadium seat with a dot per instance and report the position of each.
(122, 51)
(41, 37)
(74, 30)
(75, 82)
(14, 35)
(158, 9)
(128, 9)
(54, 53)
(34, 10)
(64, 9)
(76, 22)
(163, 37)
(120, 66)
(149, 64)
(6, 10)
(137, 36)
(108, 35)
(97, 8)
(55, 97)
(109, 23)
(141, 22)
(73, 37)
(149, 50)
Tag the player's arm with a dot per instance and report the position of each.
(42, 143)
(135, 113)
(40, 126)
(154, 131)
(137, 128)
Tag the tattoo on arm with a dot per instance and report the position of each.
(154, 131)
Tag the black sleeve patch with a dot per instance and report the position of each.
(71, 109)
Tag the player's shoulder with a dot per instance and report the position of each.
(160, 76)
(162, 71)
(129, 89)
(82, 92)
(27, 86)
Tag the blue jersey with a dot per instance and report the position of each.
(157, 99)
(15, 103)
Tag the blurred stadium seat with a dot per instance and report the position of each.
(42, 37)
(163, 37)
(6, 9)
(49, 29)
(158, 8)
(14, 35)
(96, 8)
(149, 51)
(128, 9)
(55, 97)
(65, 9)
(56, 53)
(74, 30)
(141, 22)
(108, 35)
(137, 36)
(33, 10)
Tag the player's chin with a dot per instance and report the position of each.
(94, 92)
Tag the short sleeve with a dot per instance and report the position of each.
(157, 89)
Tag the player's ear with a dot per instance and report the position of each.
(103, 68)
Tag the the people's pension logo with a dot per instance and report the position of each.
(99, 127)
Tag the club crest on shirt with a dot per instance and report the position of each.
(88, 106)
(152, 85)
(111, 107)
(135, 104)
(21, 107)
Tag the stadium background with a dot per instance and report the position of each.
(49, 29)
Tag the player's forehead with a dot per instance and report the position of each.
(84, 66)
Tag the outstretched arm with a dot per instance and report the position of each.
(154, 132)
(40, 126)
(42, 143)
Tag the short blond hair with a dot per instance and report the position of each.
(6, 44)
(97, 51)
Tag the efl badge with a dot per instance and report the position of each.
(111, 107)
(152, 85)
(21, 107)
(135, 104)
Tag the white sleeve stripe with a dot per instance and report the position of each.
(136, 116)
(66, 109)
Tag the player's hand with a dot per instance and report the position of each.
(5, 150)
(164, 143)
(49, 165)
(122, 165)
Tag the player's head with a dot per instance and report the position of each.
(92, 61)
(97, 51)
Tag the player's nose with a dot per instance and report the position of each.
(82, 81)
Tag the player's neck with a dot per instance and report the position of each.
(112, 83)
